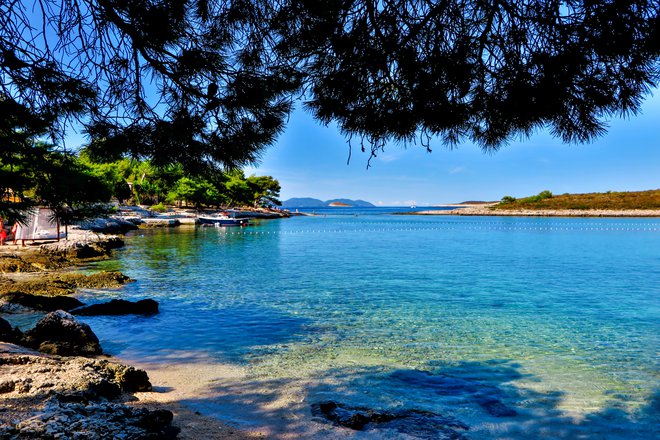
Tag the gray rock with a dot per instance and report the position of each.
(83, 244)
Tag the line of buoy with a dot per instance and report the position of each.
(421, 229)
(499, 223)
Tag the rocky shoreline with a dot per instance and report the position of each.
(50, 396)
(54, 380)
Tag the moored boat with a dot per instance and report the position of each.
(223, 220)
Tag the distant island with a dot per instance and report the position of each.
(308, 202)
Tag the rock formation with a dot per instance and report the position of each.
(61, 334)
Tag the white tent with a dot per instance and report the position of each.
(39, 225)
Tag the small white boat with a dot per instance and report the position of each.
(223, 220)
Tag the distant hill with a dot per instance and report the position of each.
(308, 202)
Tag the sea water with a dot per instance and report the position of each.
(517, 327)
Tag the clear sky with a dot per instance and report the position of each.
(309, 160)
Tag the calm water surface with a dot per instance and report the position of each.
(557, 319)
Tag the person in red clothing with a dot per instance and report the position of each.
(3, 233)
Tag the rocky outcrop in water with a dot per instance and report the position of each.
(61, 334)
(130, 379)
(37, 302)
(119, 307)
(148, 223)
(420, 424)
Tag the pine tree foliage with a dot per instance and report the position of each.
(202, 82)
(483, 70)
(187, 81)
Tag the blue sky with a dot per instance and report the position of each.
(309, 160)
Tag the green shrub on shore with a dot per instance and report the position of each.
(537, 198)
(508, 199)
(159, 208)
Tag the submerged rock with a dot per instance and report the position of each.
(39, 302)
(496, 407)
(61, 334)
(119, 307)
(487, 396)
(421, 424)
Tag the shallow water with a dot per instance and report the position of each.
(518, 327)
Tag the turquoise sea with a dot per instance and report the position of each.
(516, 327)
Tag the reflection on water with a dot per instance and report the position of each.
(489, 318)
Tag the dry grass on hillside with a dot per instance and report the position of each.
(609, 200)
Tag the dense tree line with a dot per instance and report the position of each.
(141, 182)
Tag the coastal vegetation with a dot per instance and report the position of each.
(143, 182)
(609, 200)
